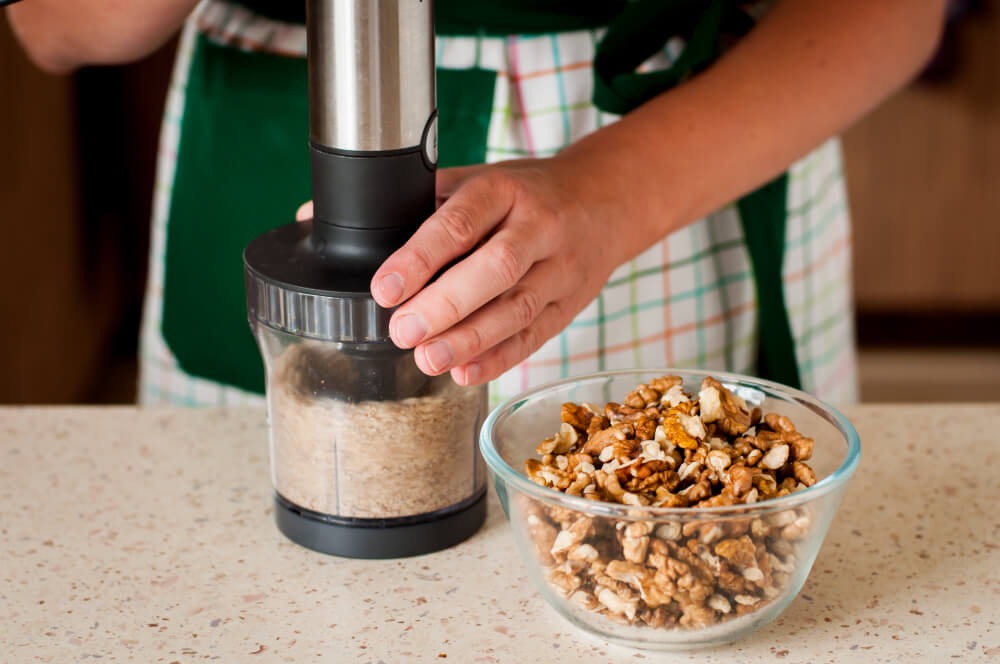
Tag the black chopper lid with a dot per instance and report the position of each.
(295, 287)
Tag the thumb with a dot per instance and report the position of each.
(305, 212)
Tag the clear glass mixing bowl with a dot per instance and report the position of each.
(787, 532)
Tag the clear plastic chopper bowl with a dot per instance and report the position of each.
(514, 429)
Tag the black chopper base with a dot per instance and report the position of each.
(380, 538)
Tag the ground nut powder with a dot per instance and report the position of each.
(373, 459)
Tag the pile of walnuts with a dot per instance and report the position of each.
(664, 447)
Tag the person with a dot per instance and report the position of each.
(639, 183)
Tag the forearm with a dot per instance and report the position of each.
(809, 70)
(60, 35)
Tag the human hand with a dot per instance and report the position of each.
(537, 240)
(536, 252)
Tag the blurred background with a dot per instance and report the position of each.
(77, 159)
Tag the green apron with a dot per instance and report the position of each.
(243, 162)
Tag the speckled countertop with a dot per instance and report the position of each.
(147, 536)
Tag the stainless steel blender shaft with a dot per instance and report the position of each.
(371, 73)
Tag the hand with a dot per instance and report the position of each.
(540, 252)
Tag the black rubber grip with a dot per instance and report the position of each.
(371, 190)
(366, 205)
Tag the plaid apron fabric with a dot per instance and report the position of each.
(689, 300)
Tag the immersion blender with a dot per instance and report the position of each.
(373, 150)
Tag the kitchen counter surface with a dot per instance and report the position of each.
(147, 536)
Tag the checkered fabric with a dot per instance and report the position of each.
(687, 301)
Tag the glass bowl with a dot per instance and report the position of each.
(722, 599)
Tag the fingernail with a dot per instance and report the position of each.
(410, 330)
(438, 355)
(472, 373)
(390, 287)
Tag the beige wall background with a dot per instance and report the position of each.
(924, 178)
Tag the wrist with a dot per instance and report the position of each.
(618, 182)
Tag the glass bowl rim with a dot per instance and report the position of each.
(828, 484)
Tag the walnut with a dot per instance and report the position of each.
(642, 396)
(584, 553)
(693, 426)
(741, 552)
(634, 499)
(697, 492)
(616, 604)
(781, 519)
(719, 460)
(604, 438)
(775, 457)
(667, 448)
(719, 603)
(760, 529)
(674, 396)
(710, 400)
(572, 536)
(739, 479)
(796, 529)
(674, 431)
(658, 618)
(564, 582)
(576, 416)
(697, 616)
(617, 413)
(744, 445)
(801, 449)
(543, 534)
(585, 599)
(776, 422)
(766, 485)
(753, 574)
(803, 473)
(578, 485)
(645, 427)
(664, 384)
(732, 582)
(730, 416)
(561, 443)
(720, 500)
(597, 423)
(635, 541)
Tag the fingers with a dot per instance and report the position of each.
(453, 230)
(510, 353)
(305, 212)
(513, 311)
(488, 272)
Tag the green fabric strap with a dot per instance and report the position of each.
(500, 18)
(242, 169)
(465, 103)
(763, 213)
(637, 34)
